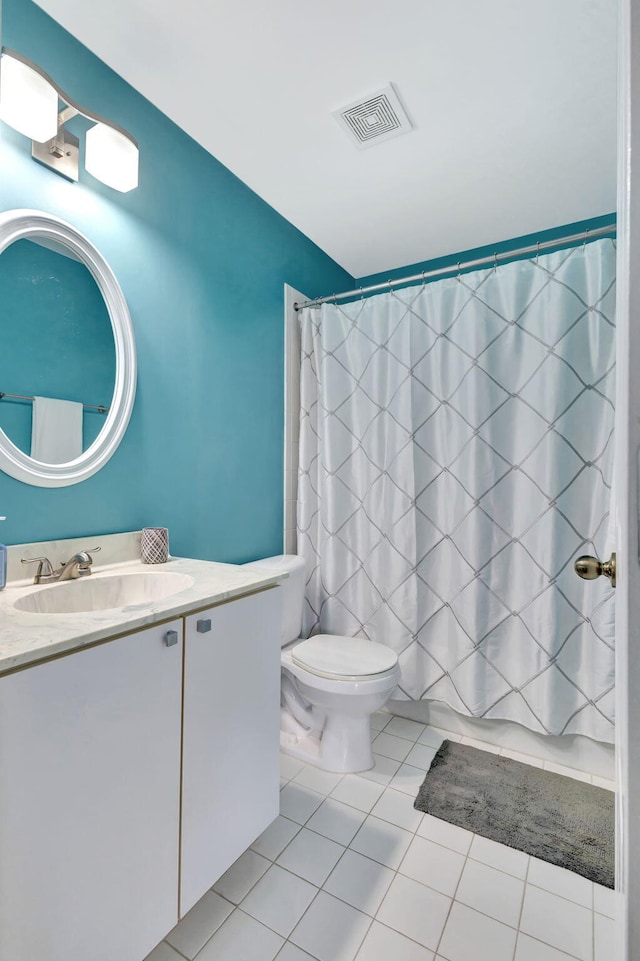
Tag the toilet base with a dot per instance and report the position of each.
(344, 746)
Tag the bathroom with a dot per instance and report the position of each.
(203, 261)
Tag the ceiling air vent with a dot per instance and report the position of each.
(372, 119)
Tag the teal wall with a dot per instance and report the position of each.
(55, 338)
(202, 262)
(500, 247)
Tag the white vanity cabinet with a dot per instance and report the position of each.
(132, 774)
(230, 772)
(90, 800)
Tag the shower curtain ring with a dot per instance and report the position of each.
(361, 293)
(458, 277)
(537, 253)
(586, 237)
(335, 300)
(495, 261)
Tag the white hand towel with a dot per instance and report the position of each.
(56, 430)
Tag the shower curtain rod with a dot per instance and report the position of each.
(491, 260)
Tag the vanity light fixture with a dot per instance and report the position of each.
(27, 102)
(30, 103)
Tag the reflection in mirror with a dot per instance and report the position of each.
(56, 338)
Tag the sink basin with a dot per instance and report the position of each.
(104, 593)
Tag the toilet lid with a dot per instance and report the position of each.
(346, 657)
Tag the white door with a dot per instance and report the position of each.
(230, 753)
(89, 782)
(628, 480)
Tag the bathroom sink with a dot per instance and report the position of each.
(104, 593)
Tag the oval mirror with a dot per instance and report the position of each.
(66, 335)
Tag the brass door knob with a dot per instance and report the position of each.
(590, 568)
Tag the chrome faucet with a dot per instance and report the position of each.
(77, 566)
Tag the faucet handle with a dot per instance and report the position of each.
(84, 553)
(85, 559)
(90, 552)
(44, 566)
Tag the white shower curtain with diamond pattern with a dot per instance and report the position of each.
(456, 452)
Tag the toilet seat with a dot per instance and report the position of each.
(343, 658)
(330, 685)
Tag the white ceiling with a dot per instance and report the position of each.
(513, 104)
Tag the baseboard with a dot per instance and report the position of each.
(571, 750)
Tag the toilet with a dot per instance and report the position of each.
(331, 685)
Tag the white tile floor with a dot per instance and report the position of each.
(350, 871)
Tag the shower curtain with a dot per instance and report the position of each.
(456, 454)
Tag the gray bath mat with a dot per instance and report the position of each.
(556, 818)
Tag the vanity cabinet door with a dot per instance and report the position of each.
(230, 774)
(89, 801)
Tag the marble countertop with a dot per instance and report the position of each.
(26, 637)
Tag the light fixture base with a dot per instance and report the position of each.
(60, 154)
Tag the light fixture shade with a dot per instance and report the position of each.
(28, 103)
(111, 157)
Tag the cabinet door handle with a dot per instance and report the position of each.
(171, 638)
(203, 626)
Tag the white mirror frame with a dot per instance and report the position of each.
(34, 224)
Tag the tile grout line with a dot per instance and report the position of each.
(234, 906)
(300, 919)
(318, 890)
(468, 856)
(346, 848)
(414, 833)
(593, 919)
(570, 957)
(364, 938)
(453, 899)
(524, 894)
(179, 953)
(313, 956)
(593, 922)
(408, 937)
(563, 954)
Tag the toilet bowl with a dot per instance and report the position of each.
(331, 685)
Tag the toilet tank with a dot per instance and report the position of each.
(292, 591)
